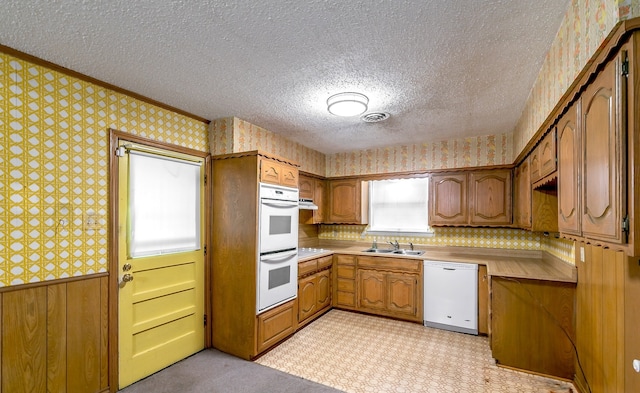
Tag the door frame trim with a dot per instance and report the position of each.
(115, 137)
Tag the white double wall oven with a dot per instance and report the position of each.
(278, 246)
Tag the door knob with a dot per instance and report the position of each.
(127, 277)
(126, 267)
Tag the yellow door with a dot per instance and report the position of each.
(161, 296)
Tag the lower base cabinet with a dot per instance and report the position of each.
(532, 325)
(314, 296)
(393, 294)
(276, 324)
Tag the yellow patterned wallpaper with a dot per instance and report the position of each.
(54, 167)
(454, 153)
(503, 238)
(584, 27)
(233, 135)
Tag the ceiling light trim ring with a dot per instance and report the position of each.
(347, 104)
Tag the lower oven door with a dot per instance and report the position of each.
(277, 278)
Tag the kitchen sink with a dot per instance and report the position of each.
(392, 251)
(408, 252)
(379, 250)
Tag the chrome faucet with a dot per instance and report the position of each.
(395, 245)
(411, 246)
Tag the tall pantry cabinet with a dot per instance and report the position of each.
(236, 329)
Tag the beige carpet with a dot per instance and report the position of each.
(359, 353)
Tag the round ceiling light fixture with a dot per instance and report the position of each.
(347, 104)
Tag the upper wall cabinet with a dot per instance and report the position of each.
(604, 160)
(490, 197)
(481, 198)
(314, 189)
(276, 172)
(522, 195)
(348, 202)
(568, 171)
(448, 199)
(543, 158)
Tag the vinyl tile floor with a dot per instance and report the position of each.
(361, 354)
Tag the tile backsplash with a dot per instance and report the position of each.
(504, 238)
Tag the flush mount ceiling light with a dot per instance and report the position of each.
(347, 104)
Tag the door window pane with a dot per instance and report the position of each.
(164, 205)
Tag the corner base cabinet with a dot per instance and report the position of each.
(314, 288)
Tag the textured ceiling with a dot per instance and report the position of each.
(442, 69)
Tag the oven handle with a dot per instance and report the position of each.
(279, 257)
(280, 204)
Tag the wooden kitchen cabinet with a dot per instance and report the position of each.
(543, 158)
(522, 195)
(314, 189)
(276, 172)
(483, 300)
(235, 327)
(348, 202)
(314, 288)
(275, 325)
(604, 163)
(344, 290)
(476, 198)
(533, 312)
(389, 287)
(490, 197)
(448, 199)
(568, 172)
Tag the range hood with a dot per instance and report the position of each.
(304, 203)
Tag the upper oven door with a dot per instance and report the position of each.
(278, 225)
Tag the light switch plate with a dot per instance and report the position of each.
(636, 365)
(581, 254)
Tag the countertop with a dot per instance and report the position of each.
(535, 265)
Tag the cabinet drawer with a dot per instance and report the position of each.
(347, 272)
(346, 285)
(325, 262)
(345, 259)
(347, 299)
(307, 267)
(382, 263)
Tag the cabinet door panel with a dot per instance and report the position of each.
(402, 293)
(307, 300)
(522, 198)
(548, 154)
(345, 202)
(602, 168)
(568, 165)
(323, 289)
(306, 187)
(490, 197)
(448, 199)
(371, 290)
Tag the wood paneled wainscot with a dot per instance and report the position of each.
(314, 288)
(54, 336)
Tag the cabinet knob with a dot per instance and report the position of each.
(127, 277)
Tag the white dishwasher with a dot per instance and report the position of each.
(451, 296)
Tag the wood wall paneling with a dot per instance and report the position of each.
(56, 342)
(24, 332)
(54, 337)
